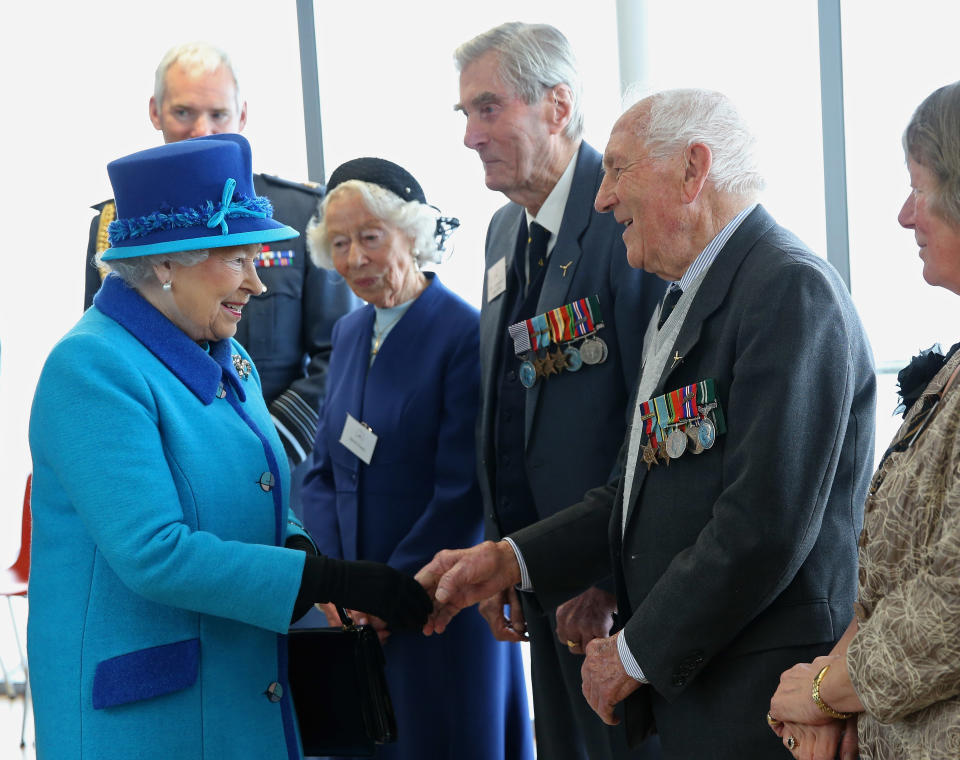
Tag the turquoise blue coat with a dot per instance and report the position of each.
(160, 592)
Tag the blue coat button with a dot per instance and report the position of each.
(274, 692)
(266, 481)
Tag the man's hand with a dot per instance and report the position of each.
(512, 628)
(457, 578)
(605, 682)
(585, 617)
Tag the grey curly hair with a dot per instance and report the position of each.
(414, 219)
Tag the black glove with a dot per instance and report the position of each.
(302, 606)
(366, 586)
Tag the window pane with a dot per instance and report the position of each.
(390, 93)
(887, 71)
(766, 57)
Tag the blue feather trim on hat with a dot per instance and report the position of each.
(169, 218)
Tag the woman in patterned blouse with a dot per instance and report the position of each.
(892, 683)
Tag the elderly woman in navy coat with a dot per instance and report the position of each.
(394, 469)
(166, 563)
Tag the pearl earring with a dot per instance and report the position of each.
(167, 286)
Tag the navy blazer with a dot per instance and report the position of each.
(417, 496)
(574, 422)
(419, 493)
(751, 546)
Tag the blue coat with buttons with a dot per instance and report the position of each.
(160, 592)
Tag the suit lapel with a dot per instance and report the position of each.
(710, 297)
(565, 258)
(503, 243)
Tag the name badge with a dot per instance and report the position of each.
(358, 438)
(496, 279)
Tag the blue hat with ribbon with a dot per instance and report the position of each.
(186, 196)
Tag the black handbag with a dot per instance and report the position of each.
(340, 690)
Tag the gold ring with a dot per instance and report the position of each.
(572, 644)
(771, 721)
(791, 743)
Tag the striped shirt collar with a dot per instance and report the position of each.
(710, 253)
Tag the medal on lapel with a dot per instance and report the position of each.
(561, 339)
(685, 419)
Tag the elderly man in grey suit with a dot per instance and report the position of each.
(555, 392)
(732, 525)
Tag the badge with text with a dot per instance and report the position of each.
(561, 339)
(496, 279)
(358, 438)
(685, 419)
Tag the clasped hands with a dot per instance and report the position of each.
(794, 716)
(487, 574)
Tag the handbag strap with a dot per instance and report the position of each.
(345, 618)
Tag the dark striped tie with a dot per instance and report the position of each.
(669, 301)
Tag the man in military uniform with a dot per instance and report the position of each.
(287, 329)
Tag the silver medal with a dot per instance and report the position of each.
(706, 433)
(676, 443)
(592, 350)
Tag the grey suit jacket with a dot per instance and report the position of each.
(750, 546)
(574, 422)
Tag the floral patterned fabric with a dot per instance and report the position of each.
(905, 659)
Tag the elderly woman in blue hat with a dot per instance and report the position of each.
(394, 475)
(167, 565)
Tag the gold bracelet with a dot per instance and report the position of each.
(818, 701)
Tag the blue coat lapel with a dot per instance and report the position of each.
(392, 361)
(355, 344)
(197, 369)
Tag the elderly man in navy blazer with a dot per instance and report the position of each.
(551, 417)
(732, 525)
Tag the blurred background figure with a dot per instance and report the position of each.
(894, 677)
(394, 470)
(287, 328)
(167, 565)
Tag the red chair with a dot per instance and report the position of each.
(13, 582)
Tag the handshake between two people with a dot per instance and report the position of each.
(452, 581)
(388, 599)
(486, 574)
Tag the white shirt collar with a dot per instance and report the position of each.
(550, 215)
